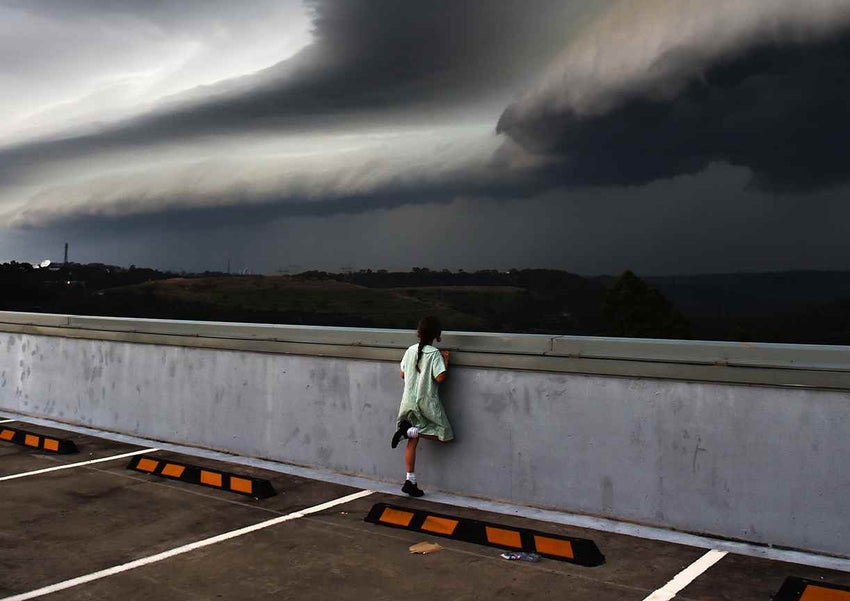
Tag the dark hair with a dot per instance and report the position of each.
(428, 329)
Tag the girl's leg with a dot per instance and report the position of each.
(410, 454)
(410, 463)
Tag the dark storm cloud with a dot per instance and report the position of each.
(782, 110)
(371, 61)
(704, 223)
(368, 56)
(370, 179)
(652, 90)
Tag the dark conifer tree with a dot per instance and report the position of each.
(634, 309)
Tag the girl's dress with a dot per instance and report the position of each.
(420, 403)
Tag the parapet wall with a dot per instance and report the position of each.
(747, 441)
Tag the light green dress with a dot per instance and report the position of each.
(420, 403)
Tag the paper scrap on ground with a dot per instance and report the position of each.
(520, 556)
(425, 548)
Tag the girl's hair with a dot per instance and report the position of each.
(428, 329)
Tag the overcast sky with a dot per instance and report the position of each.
(662, 136)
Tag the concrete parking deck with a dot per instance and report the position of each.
(61, 525)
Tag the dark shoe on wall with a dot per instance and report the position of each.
(411, 489)
(401, 432)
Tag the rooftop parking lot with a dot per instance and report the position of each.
(101, 531)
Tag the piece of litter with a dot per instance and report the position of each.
(520, 556)
(424, 548)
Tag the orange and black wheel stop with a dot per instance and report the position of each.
(50, 444)
(244, 485)
(801, 589)
(580, 551)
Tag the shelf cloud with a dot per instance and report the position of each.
(660, 88)
(213, 112)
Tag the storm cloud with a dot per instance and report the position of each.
(371, 68)
(212, 113)
(365, 56)
(67, 66)
(763, 85)
(311, 174)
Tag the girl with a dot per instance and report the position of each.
(421, 414)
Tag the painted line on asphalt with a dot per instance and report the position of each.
(61, 586)
(686, 576)
(760, 551)
(78, 464)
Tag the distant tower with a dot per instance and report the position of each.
(66, 253)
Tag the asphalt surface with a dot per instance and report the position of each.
(66, 524)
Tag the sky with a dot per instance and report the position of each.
(661, 136)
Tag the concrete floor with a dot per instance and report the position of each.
(69, 523)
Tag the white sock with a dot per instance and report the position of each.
(411, 476)
(413, 432)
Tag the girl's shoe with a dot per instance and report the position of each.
(401, 432)
(411, 489)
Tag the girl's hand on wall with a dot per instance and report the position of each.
(445, 355)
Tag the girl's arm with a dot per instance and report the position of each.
(440, 377)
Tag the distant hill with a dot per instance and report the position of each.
(788, 306)
(791, 306)
(329, 299)
(278, 299)
(797, 306)
(753, 292)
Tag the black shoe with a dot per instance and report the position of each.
(401, 432)
(411, 489)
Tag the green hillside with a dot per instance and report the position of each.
(284, 299)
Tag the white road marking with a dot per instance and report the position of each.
(827, 562)
(686, 576)
(68, 466)
(61, 586)
(6, 421)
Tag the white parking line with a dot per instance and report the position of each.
(61, 586)
(6, 421)
(826, 562)
(68, 466)
(686, 576)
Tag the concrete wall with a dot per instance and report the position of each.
(762, 463)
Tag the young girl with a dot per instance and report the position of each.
(421, 414)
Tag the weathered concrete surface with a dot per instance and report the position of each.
(64, 524)
(765, 465)
(72, 523)
(805, 365)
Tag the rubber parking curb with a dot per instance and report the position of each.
(581, 551)
(38, 441)
(801, 589)
(258, 488)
